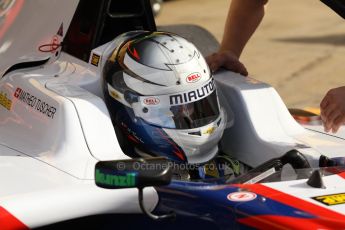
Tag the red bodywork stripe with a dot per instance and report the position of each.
(294, 202)
(287, 222)
(10, 222)
(342, 175)
(12, 14)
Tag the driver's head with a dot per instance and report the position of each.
(162, 97)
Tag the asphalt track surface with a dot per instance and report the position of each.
(299, 48)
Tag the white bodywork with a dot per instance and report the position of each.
(29, 24)
(48, 155)
(48, 158)
(263, 127)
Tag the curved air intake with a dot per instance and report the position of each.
(296, 159)
(24, 65)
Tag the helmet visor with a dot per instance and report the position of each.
(196, 114)
(168, 112)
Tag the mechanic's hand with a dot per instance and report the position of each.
(333, 109)
(228, 60)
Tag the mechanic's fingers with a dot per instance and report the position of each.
(323, 116)
(327, 127)
(214, 62)
(337, 123)
(331, 118)
(325, 113)
(329, 124)
(214, 66)
(244, 71)
(324, 102)
(241, 69)
(226, 60)
(335, 128)
(237, 67)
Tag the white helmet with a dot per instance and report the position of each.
(162, 98)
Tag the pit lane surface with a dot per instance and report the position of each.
(299, 48)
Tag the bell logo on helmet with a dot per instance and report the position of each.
(151, 101)
(194, 77)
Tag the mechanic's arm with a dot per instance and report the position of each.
(333, 109)
(243, 18)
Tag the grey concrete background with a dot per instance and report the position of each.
(299, 48)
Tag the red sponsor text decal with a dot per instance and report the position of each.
(151, 101)
(194, 77)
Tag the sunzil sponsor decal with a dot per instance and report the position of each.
(126, 180)
(5, 102)
(193, 95)
(35, 103)
(193, 77)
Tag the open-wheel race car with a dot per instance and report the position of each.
(107, 123)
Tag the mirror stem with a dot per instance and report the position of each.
(149, 214)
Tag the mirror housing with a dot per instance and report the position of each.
(133, 173)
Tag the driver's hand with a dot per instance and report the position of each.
(333, 109)
(228, 60)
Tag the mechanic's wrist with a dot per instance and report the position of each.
(231, 52)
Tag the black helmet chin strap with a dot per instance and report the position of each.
(337, 5)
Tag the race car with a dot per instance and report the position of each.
(81, 145)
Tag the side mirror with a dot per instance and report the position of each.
(135, 173)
